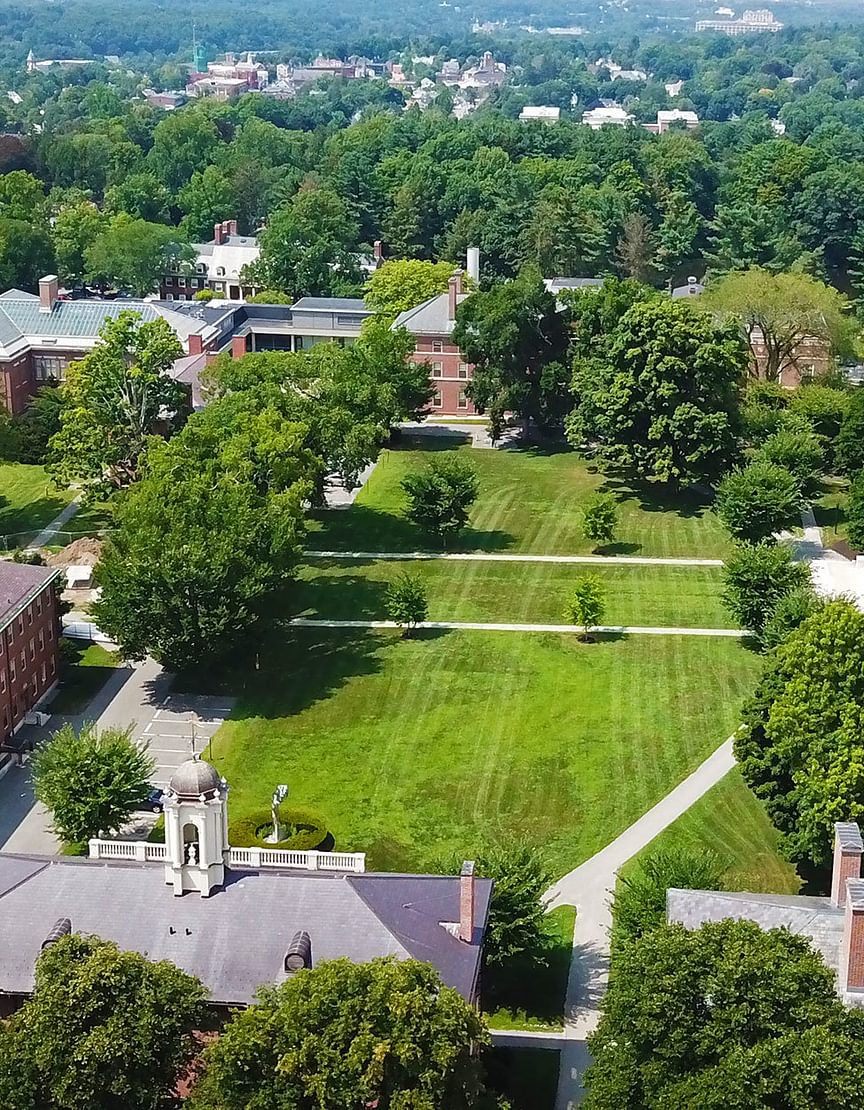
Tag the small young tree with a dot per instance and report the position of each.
(799, 452)
(587, 603)
(600, 518)
(758, 500)
(850, 441)
(855, 512)
(407, 602)
(756, 577)
(385, 1033)
(90, 781)
(440, 497)
(789, 613)
(104, 1029)
(639, 903)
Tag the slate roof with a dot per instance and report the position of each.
(236, 939)
(19, 582)
(432, 317)
(67, 319)
(332, 304)
(814, 918)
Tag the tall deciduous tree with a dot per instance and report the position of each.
(90, 781)
(115, 398)
(855, 511)
(104, 1029)
(756, 577)
(26, 254)
(385, 1033)
(850, 441)
(134, 254)
(517, 340)
(756, 501)
(801, 749)
(441, 495)
(775, 312)
(690, 1013)
(404, 283)
(76, 228)
(659, 395)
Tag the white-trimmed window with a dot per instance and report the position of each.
(437, 369)
(437, 346)
(462, 401)
(181, 282)
(463, 370)
(169, 296)
(48, 367)
(436, 399)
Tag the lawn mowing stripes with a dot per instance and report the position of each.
(478, 626)
(493, 557)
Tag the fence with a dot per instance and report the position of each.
(85, 630)
(141, 851)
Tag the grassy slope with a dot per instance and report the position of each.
(28, 501)
(731, 821)
(82, 679)
(515, 592)
(529, 501)
(411, 749)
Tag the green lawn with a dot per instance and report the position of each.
(28, 501)
(731, 821)
(530, 501)
(83, 676)
(687, 597)
(417, 749)
(830, 513)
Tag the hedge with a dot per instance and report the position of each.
(249, 832)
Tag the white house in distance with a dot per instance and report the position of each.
(666, 117)
(607, 112)
(541, 113)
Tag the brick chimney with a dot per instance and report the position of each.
(378, 252)
(466, 902)
(232, 227)
(851, 970)
(238, 346)
(454, 289)
(49, 287)
(196, 345)
(848, 849)
(218, 235)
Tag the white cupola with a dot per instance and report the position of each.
(196, 828)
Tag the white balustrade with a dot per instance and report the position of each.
(142, 851)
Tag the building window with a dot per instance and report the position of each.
(39, 604)
(462, 402)
(32, 649)
(41, 640)
(219, 286)
(23, 660)
(181, 282)
(437, 369)
(29, 614)
(220, 271)
(201, 268)
(48, 367)
(44, 673)
(11, 670)
(436, 399)
(463, 370)
(2, 683)
(21, 626)
(51, 662)
(169, 296)
(437, 346)
(51, 631)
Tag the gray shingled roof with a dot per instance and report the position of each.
(235, 940)
(432, 317)
(332, 304)
(18, 583)
(67, 319)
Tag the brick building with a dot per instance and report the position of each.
(431, 323)
(29, 633)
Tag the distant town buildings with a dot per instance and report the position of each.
(666, 118)
(673, 88)
(751, 21)
(34, 66)
(617, 72)
(607, 112)
(228, 79)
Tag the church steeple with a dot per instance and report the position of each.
(196, 828)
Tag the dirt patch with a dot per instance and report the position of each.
(844, 549)
(84, 552)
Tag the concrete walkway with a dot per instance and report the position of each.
(490, 557)
(47, 534)
(478, 626)
(588, 888)
(832, 574)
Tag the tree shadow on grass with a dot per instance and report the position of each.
(17, 523)
(340, 596)
(655, 498)
(361, 528)
(523, 986)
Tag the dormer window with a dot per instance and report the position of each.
(220, 271)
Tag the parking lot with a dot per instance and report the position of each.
(179, 722)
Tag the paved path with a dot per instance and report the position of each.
(338, 496)
(529, 1038)
(478, 626)
(587, 888)
(47, 534)
(489, 557)
(832, 574)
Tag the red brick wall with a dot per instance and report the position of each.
(853, 947)
(447, 382)
(28, 658)
(18, 375)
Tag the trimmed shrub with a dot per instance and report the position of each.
(309, 831)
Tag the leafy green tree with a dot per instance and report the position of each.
(407, 602)
(659, 395)
(659, 1044)
(26, 254)
(758, 500)
(517, 930)
(141, 196)
(404, 283)
(183, 142)
(850, 441)
(269, 296)
(207, 540)
(824, 408)
(801, 748)
(586, 605)
(600, 518)
(308, 247)
(636, 248)
(76, 228)
(798, 452)
(208, 199)
(90, 781)
(775, 312)
(756, 577)
(855, 511)
(134, 254)
(349, 1035)
(516, 339)
(39, 421)
(104, 1029)
(114, 399)
(789, 613)
(639, 903)
(22, 197)
(441, 495)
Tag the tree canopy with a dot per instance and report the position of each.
(401, 284)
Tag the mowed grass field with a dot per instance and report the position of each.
(415, 749)
(687, 597)
(731, 821)
(28, 501)
(530, 502)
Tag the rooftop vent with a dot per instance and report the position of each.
(299, 954)
(62, 927)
